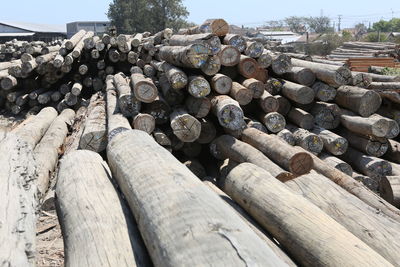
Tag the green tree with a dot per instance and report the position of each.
(130, 16)
(392, 25)
(375, 37)
(296, 24)
(319, 24)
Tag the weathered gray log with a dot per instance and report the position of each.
(228, 111)
(287, 136)
(235, 40)
(143, 88)
(298, 93)
(330, 74)
(284, 105)
(385, 85)
(241, 94)
(248, 67)
(144, 122)
(306, 139)
(273, 86)
(186, 127)
(333, 143)
(324, 92)
(209, 40)
(361, 79)
(125, 97)
(268, 102)
(8, 82)
(218, 27)
(393, 151)
(303, 76)
(336, 163)
(367, 165)
(192, 56)
(73, 41)
(301, 118)
(265, 59)
(277, 150)
(369, 182)
(362, 101)
(108, 221)
(94, 135)
(274, 121)
(198, 86)
(221, 83)
(171, 246)
(373, 146)
(326, 115)
(281, 63)
(390, 190)
(350, 212)
(267, 200)
(47, 151)
(198, 107)
(384, 78)
(208, 132)
(254, 49)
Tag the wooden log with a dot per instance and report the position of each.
(254, 49)
(218, 27)
(34, 129)
(349, 211)
(301, 118)
(300, 75)
(375, 125)
(385, 85)
(336, 163)
(324, 92)
(250, 221)
(195, 167)
(384, 78)
(367, 165)
(212, 65)
(209, 40)
(176, 77)
(47, 150)
(333, 143)
(143, 88)
(390, 190)
(247, 67)
(255, 85)
(371, 183)
(284, 105)
(8, 82)
(229, 55)
(159, 109)
(94, 135)
(18, 189)
(281, 63)
(273, 86)
(125, 97)
(265, 59)
(198, 86)
(73, 41)
(393, 151)
(297, 93)
(268, 102)
(330, 74)
(362, 101)
(208, 132)
(361, 79)
(306, 139)
(135, 178)
(221, 83)
(186, 127)
(280, 152)
(241, 94)
(228, 147)
(287, 136)
(235, 40)
(326, 115)
(274, 121)
(172, 96)
(198, 107)
(192, 56)
(373, 146)
(107, 221)
(259, 193)
(144, 122)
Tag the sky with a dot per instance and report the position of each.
(250, 13)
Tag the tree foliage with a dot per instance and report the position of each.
(321, 24)
(130, 16)
(392, 25)
(296, 24)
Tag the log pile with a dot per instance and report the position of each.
(158, 114)
(365, 50)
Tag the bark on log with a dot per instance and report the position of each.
(208, 132)
(361, 79)
(107, 228)
(362, 101)
(279, 151)
(281, 63)
(228, 111)
(228, 147)
(192, 56)
(186, 127)
(326, 115)
(324, 92)
(176, 77)
(284, 105)
(385, 85)
(125, 97)
(268, 102)
(267, 200)
(306, 139)
(241, 94)
(372, 146)
(265, 59)
(171, 246)
(350, 212)
(336, 163)
(390, 190)
(333, 143)
(297, 93)
(209, 40)
(303, 76)
(301, 118)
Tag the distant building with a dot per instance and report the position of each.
(394, 36)
(283, 36)
(98, 27)
(30, 31)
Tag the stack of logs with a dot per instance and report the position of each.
(210, 112)
(365, 49)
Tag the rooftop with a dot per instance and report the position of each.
(34, 27)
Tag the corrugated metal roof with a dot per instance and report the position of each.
(277, 33)
(16, 34)
(34, 27)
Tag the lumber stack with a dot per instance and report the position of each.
(169, 110)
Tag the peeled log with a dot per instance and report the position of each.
(296, 223)
(280, 152)
(351, 212)
(301, 118)
(163, 207)
(362, 101)
(298, 93)
(303, 76)
(47, 151)
(107, 228)
(186, 127)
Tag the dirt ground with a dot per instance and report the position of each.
(49, 242)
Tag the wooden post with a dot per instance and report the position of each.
(148, 166)
(261, 195)
(108, 220)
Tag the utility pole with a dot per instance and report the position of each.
(340, 20)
